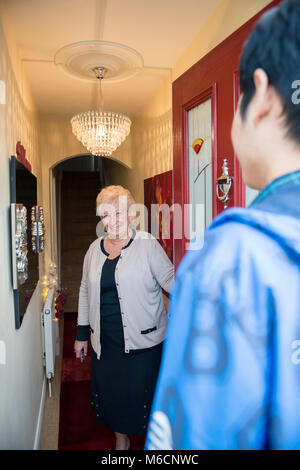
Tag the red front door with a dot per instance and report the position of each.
(204, 102)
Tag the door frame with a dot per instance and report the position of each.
(186, 95)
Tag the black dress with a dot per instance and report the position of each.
(122, 384)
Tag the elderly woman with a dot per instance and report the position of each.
(121, 302)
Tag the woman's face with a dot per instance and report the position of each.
(115, 220)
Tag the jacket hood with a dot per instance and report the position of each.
(284, 229)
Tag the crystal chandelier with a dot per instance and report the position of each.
(101, 132)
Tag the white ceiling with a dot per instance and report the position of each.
(159, 30)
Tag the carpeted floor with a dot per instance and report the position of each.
(77, 426)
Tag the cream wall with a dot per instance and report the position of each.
(151, 142)
(227, 18)
(21, 371)
(152, 130)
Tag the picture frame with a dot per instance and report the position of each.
(24, 262)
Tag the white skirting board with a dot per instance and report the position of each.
(38, 431)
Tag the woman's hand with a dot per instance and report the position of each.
(79, 345)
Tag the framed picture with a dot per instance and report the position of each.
(24, 260)
(158, 199)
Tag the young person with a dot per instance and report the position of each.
(230, 373)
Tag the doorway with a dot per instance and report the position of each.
(77, 181)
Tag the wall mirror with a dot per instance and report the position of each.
(24, 260)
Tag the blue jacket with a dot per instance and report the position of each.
(230, 371)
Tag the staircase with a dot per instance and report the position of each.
(79, 190)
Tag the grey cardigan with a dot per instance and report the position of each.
(141, 271)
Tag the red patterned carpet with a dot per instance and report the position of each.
(77, 426)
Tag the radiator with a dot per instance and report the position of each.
(49, 337)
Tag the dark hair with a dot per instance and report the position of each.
(274, 46)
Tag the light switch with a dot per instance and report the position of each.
(2, 92)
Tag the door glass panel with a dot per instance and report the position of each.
(200, 169)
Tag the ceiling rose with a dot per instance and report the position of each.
(80, 59)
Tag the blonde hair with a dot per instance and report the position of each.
(111, 194)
